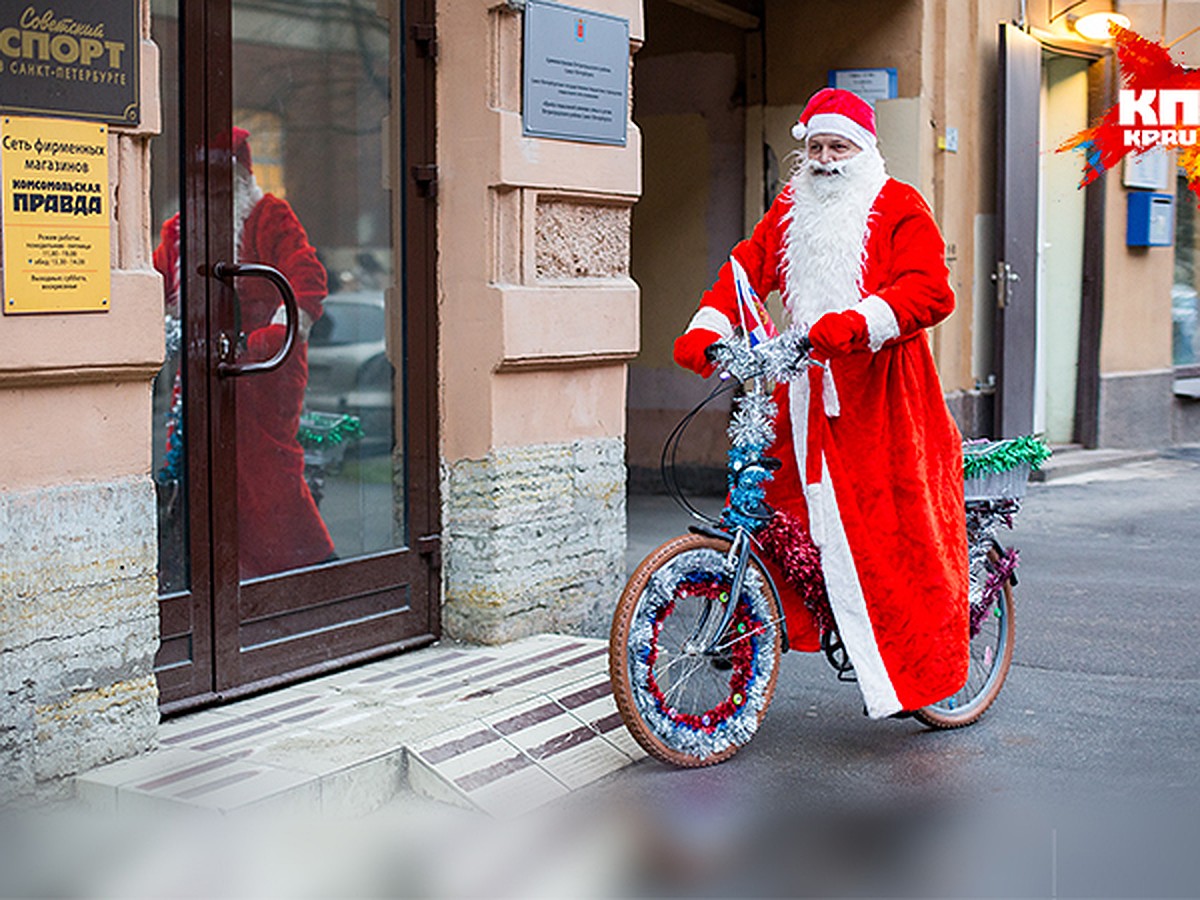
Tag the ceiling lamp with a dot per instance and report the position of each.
(1094, 26)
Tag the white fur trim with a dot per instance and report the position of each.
(846, 598)
(798, 394)
(847, 601)
(843, 126)
(711, 320)
(303, 327)
(833, 405)
(825, 236)
(881, 321)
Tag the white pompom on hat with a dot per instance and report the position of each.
(835, 111)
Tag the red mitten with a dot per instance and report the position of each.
(263, 343)
(839, 333)
(690, 347)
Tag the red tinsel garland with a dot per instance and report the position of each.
(741, 657)
(786, 543)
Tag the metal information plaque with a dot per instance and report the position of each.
(55, 221)
(75, 59)
(576, 74)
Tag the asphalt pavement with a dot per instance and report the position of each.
(1082, 780)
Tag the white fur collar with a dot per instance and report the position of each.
(825, 240)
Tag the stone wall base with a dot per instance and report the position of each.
(78, 630)
(973, 411)
(534, 541)
(1135, 409)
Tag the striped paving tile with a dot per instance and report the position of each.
(503, 672)
(588, 659)
(564, 746)
(188, 778)
(515, 671)
(503, 729)
(517, 793)
(593, 703)
(492, 762)
(476, 763)
(231, 783)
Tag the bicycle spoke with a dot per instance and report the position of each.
(678, 686)
(761, 629)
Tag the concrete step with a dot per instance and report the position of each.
(498, 729)
(1074, 460)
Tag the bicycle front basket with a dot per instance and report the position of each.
(1000, 469)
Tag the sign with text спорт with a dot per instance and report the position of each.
(576, 74)
(73, 58)
(56, 225)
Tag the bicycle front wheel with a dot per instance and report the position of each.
(991, 651)
(691, 697)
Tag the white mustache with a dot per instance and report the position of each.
(834, 167)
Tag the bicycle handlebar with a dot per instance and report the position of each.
(780, 358)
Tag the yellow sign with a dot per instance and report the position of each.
(55, 220)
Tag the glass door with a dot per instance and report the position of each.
(304, 479)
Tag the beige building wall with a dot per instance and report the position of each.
(78, 591)
(945, 54)
(538, 318)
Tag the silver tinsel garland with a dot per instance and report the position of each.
(752, 421)
(781, 358)
(173, 332)
(660, 591)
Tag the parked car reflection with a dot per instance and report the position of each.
(348, 369)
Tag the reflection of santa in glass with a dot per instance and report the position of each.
(279, 526)
(871, 460)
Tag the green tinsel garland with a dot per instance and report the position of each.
(322, 429)
(1004, 456)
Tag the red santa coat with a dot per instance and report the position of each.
(279, 526)
(872, 461)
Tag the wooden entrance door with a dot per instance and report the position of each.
(295, 448)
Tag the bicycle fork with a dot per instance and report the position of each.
(710, 643)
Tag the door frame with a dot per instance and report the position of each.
(215, 593)
(1016, 323)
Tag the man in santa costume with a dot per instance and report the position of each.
(279, 526)
(872, 461)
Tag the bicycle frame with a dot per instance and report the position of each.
(740, 554)
(739, 520)
(699, 629)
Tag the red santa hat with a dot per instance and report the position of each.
(834, 111)
(236, 142)
(241, 147)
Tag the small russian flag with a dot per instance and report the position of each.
(755, 320)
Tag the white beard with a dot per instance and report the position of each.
(246, 194)
(825, 241)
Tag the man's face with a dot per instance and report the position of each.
(830, 148)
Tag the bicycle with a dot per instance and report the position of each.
(699, 630)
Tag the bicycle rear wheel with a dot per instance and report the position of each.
(683, 705)
(991, 651)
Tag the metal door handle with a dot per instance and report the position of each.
(1004, 278)
(228, 271)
